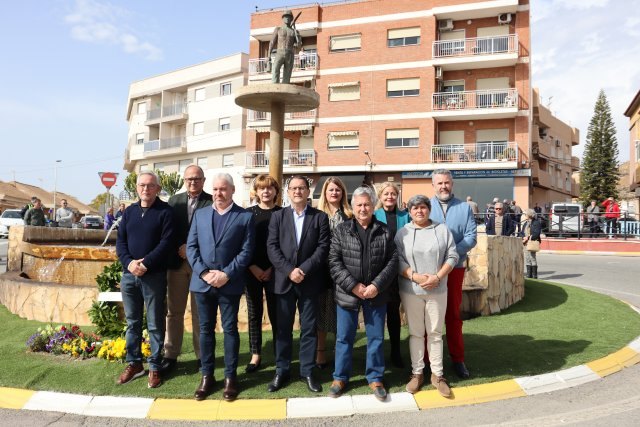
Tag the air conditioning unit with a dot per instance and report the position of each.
(557, 143)
(307, 132)
(445, 25)
(504, 18)
(438, 73)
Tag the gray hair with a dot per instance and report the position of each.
(364, 191)
(501, 205)
(418, 199)
(442, 172)
(155, 176)
(530, 213)
(225, 177)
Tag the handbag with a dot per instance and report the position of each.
(533, 246)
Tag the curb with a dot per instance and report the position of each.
(279, 409)
(604, 253)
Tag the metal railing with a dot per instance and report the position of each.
(308, 61)
(174, 110)
(258, 116)
(475, 99)
(164, 143)
(479, 152)
(475, 46)
(156, 113)
(259, 159)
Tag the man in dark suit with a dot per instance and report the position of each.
(500, 224)
(179, 273)
(219, 249)
(298, 246)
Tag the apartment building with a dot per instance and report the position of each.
(406, 87)
(553, 169)
(189, 116)
(633, 175)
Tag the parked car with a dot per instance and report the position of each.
(566, 218)
(90, 222)
(8, 218)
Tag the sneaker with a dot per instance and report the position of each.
(415, 383)
(336, 389)
(440, 383)
(131, 372)
(378, 390)
(154, 379)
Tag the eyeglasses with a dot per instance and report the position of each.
(193, 179)
(498, 209)
(294, 189)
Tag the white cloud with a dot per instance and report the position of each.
(632, 26)
(103, 23)
(580, 4)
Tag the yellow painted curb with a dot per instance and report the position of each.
(182, 409)
(258, 409)
(14, 398)
(470, 395)
(614, 362)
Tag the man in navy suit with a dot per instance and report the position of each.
(219, 249)
(297, 246)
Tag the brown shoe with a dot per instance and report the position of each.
(378, 390)
(230, 391)
(205, 387)
(440, 383)
(154, 379)
(336, 389)
(131, 372)
(415, 383)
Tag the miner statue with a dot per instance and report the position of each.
(285, 40)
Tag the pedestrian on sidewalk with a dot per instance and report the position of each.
(531, 241)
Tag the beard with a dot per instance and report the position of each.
(444, 197)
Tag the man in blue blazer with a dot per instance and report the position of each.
(298, 247)
(219, 249)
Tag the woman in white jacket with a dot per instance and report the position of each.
(427, 254)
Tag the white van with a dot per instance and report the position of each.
(566, 218)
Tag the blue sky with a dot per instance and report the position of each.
(67, 66)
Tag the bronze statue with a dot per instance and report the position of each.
(285, 39)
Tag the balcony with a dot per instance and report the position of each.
(176, 113)
(540, 177)
(293, 121)
(476, 52)
(178, 142)
(308, 62)
(475, 104)
(291, 158)
(481, 152)
(575, 163)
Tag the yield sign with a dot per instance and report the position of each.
(108, 179)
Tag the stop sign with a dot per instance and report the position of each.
(108, 179)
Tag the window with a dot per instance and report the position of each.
(225, 89)
(200, 94)
(403, 87)
(637, 151)
(144, 168)
(182, 165)
(142, 108)
(402, 138)
(346, 43)
(403, 37)
(227, 160)
(224, 124)
(348, 91)
(349, 140)
(202, 162)
(140, 138)
(198, 128)
(453, 86)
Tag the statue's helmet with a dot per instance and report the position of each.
(287, 13)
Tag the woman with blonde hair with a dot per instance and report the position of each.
(531, 241)
(333, 201)
(387, 212)
(265, 192)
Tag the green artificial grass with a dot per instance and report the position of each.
(553, 327)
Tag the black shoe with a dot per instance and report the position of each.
(167, 365)
(205, 387)
(461, 370)
(230, 391)
(534, 271)
(278, 381)
(312, 384)
(252, 367)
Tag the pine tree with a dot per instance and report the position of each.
(599, 173)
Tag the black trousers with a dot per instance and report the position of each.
(255, 309)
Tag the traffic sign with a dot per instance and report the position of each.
(108, 179)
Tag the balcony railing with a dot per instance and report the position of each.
(259, 159)
(479, 152)
(259, 116)
(308, 61)
(167, 111)
(164, 143)
(475, 46)
(474, 99)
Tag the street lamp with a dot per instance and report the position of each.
(55, 185)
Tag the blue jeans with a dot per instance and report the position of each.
(345, 337)
(208, 303)
(149, 290)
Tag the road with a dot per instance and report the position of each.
(612, 401)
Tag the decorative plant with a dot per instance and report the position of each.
(64, 340)
(106, 315)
